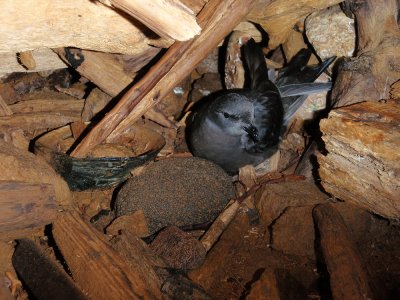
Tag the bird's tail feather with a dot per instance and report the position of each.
(257, 68)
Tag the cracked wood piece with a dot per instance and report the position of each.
(26, 205)
(176, 64)
(168, 18)
(96, 267)
(348, 278)
(363, 163)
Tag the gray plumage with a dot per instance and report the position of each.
(243, 126)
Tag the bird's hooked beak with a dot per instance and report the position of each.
(252, 132)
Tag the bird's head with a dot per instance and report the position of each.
(234, 114)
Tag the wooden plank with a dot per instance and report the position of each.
(167, 18)
(26, 205)
(175, 65)
(95, 266)
(348, 277)
(363, 161)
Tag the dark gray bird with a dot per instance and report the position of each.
(244, 126)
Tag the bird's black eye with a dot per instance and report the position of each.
(226, 115)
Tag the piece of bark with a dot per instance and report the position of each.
(168, 18)
(26, 205)
(348, 277)
(279, 17)
(176, 64)
(370, 74)
(85, 25)
(95, 266)
(45, 60)
(45, 279)
(363, 163)
(26, 59)
(178, 249)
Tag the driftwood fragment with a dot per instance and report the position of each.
(363, 163)
(376, 66)
(168, 18)
(176, 64)
(26, 205)
(96, 267)
(44, 278)
(68, 23)
(348, 277)
(110, 72)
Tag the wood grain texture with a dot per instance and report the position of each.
(26, 205)
(32, 24)
(176, 64)
(348, 277)
(363, 163)
(167, 18)
(95, 266)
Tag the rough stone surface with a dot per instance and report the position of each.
(179, 249)
(176, 191)
(331, 33)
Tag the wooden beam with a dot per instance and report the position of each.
(175, 65)
(26, 205)
(168, 18)
(348, 277)
(95, 266)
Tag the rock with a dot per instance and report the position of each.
(176, 191)
(21, 165)
(179, 249)
(331, 33)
